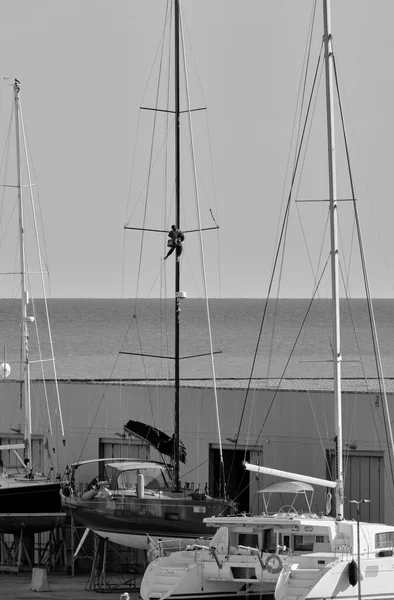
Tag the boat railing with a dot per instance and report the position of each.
(169, 545)
(213, 551)
(344, 552)
(255, 552)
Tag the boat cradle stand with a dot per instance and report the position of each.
(103, 577)
(23, 550)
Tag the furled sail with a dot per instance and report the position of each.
(158, 439)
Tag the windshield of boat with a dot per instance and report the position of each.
(154, 479)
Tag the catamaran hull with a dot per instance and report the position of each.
(173, 578)
(35, 507)
(128, 520)
(243, 592)
(335, 581)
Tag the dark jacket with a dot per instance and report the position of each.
(176, 237)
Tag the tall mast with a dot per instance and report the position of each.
(24, 293)
(337, 358)
(177, 223)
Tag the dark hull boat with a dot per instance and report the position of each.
(34, 505)
(139, 499)
(127, 521)
(28, 499)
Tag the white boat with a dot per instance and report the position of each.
(245, 555)
(29, 494)
(293, 554)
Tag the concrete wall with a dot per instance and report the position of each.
(291, 433)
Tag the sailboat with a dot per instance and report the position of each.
(292, 553)
(139, 498)
(29, 497)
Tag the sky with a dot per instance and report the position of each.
(84, 66)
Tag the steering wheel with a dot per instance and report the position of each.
(287, 509)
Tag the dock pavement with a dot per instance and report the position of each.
(62, 587)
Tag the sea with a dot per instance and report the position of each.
(123, 338)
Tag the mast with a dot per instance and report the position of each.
(177, 223)
(24, 293)
(337, 358)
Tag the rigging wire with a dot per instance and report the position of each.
(277, 255)
(202, 253)
(43, 287)
(328, 466)
(378, 359)
(291, 353)
(301, 94)
(299, 103)
(158, 50)
(207, 125)
(319, 69)
(214, 194)
(151, 164)
(4, 163)
(359, 351)
(5, 228)
(167, 210)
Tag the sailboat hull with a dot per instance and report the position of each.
(125, 517)
(31, 505)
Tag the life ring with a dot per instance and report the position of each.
(273, 564)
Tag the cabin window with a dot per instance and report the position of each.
(322, 539)
(154, 479)
(151, 483)
(248, 539)
(270, 541)
(385, 539)
(304, 543)
(243, 572)
(127, 480)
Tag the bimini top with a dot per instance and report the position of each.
(290, 487)
(128, 466)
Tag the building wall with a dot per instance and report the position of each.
(289, 430)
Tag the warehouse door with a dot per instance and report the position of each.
(10, 460)
(364, 480)
(237, 479)
(118, 448)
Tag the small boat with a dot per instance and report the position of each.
(138, 498)
(29, 498)
(293, 553)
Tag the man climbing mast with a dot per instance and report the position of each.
(176, 237)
